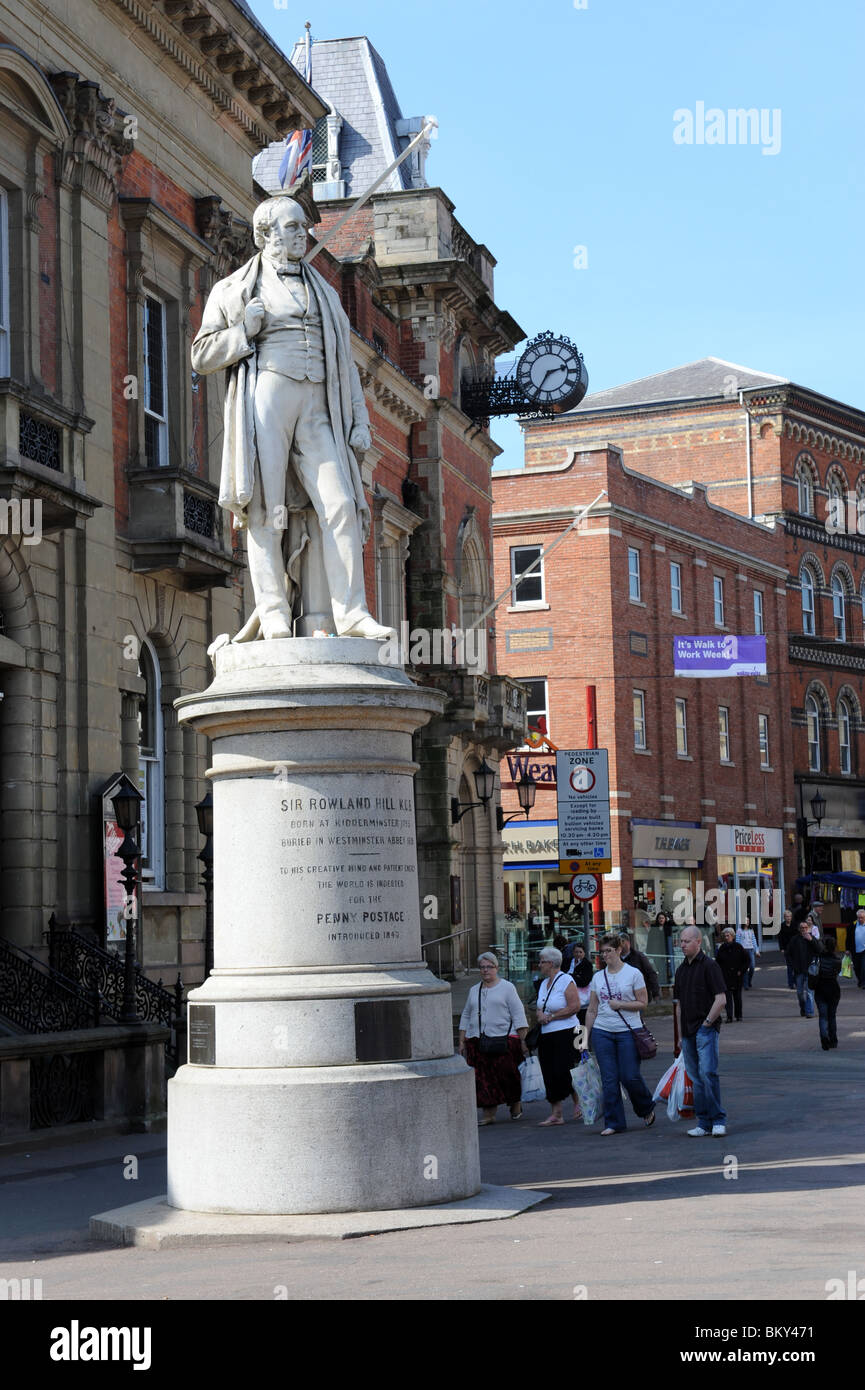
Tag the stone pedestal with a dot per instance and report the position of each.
(321, 1073)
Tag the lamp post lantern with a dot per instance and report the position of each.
(127, 813)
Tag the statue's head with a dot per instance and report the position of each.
(279, 229)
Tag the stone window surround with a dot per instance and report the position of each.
(393, 526)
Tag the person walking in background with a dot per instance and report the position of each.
(631, 956)
(581, 973)
(700, 994)
(732, 957)
(858, 947)
(557, 1007)
(785, 936)
(827, 993)
(799, 910)
(748, 941)
(618, 994)
(492, 1034)
(665, 925)
(800, 952)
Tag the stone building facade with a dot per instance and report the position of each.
(126, 189)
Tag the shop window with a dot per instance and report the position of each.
(675, 586)
(808, 608)
(763, 734)
(759, 629)
(844, 735)
(724, 733)
(639, 719)
(151, 762)
(718, 587)
(682, 728)
(633, 574)
(155, 358)
(812, 712)
(4, 283)
(531, 588)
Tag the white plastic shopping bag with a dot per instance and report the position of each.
(532, 1080)
(589, 1088)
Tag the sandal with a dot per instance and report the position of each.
(649, 1120)
(551, 1121)
(605, 1132)
(517, 1111)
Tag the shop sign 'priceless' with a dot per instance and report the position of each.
(583, 793)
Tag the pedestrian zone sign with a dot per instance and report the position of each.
(583, 793)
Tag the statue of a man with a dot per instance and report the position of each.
(294, 417)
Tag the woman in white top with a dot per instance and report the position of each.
(748, 941)
(493, 1008)
(558, 1002)
(618, 993)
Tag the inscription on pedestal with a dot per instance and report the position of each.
(202, 1035)
(382, 1031)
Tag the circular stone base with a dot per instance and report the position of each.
(293, 1140)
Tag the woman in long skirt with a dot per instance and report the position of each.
(492, 1031)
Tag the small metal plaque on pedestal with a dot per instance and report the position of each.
(382, 1031)
(202, 1035)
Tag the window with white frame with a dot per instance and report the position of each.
(151, 762)
(682, 728)
(808, 607)
(675, 586)
(633, 574)
(640, 719)
(758, 612)
(763, 736)
(835, 508)
(155, 357)
(724, 733)
(537, 714)
(531, 588)
(812, 713)
(4, 283)
(805, 486)
(839, 608)
(844, 722)
(718, 590)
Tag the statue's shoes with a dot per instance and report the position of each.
(275, 626)
(368, 627)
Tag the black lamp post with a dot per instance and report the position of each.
(818, 811)
(204, 811)
(127, 813)
(526, 790)
(485, 781)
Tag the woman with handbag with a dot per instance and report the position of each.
(492, 1039)
(558, 1002)
(618, 1036)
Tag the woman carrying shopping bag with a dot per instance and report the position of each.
(493, 1028)
(557, 1007)
(618, 993)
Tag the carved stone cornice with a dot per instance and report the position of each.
(394, 393)
(840, 655)
(229, 237)
(92, 158)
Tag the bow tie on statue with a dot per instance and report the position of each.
(286, 270)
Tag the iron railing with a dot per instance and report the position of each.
(41, 1000)
(439, 942)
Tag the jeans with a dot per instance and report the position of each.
(619, 1064)
(827, 1008)
(752, 956)
(701, 1064)
(806, 996)
(791, 973)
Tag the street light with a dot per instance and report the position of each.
(127, 813)
(526, 790)
(818, 811)
(204, 812)
(485, 781)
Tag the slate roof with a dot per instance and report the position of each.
(351, 75)
(707, 378)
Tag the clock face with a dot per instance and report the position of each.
(550, 371)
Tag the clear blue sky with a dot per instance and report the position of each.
(556, 130)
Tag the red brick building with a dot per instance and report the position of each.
(689, 759)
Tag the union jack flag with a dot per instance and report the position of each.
(298, 145)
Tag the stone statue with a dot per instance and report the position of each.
(295, 418)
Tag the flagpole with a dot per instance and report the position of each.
(319, 245)
(308, 54)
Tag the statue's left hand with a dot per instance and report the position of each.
(360, 439)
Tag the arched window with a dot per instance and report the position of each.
(835, 504)
(151, 762)
(812, 711)
(839, 608)
(844, 735)
(805, 484)
(808, 627)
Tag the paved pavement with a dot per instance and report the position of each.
(774, 1210)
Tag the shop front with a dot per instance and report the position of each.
(750, 877)
(666, 857)
(538, 901)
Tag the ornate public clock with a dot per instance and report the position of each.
(551, 372)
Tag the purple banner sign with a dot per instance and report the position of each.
(705, 657)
